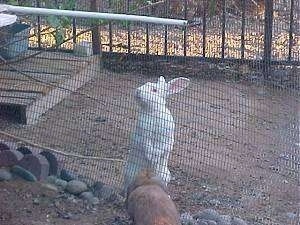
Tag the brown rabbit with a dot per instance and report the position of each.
(148, 203)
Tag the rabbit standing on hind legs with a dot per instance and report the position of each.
(153, 137)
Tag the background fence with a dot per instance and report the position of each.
(249, 30)
(237, 125)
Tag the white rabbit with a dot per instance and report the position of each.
(153, 137)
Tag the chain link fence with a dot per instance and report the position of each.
(236, 143)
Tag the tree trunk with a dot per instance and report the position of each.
(96, 41)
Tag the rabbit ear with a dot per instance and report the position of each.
(161, 80)
(178, 84)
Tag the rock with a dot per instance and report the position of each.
(206, 222)
(89, 197)
(104, 191)
(51, 179)
(292, 216)
(23, 173)
(224, 220)
(3, 147)
(5, 175)
(76, 187)
(36, 201)
(36, 164)
(62, 184)
(119, 200)
(187, 219)
(94, 201)
(211, 222)
(108, 193)
(100, 119)
(68, 216)
(24, 150)
(9, 158)
(67, 175)
(86, 195)
(208, 214)
(214, 202)
(50, 187)
(120, 221)
(52, 160)
(202, 222)
(238, 221)
(97, 186)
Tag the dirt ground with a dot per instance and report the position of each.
(26, 203)
(236, 148)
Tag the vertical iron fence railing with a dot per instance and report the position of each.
(148, 34)
(291, 30)
(166, 11)
(269, 10)
(39, 26)
(128, 29)
(185, 28)
(110, 30)
(204, 28)
(243, 29)
(223, 28)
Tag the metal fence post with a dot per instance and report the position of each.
(268, 37)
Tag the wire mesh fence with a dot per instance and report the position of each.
(236, 141)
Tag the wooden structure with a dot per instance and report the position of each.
(31, 85)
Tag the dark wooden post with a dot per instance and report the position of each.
(128, 29)
(110, 28)
(185, 28)
(268, 37)
(223, 28)
(243, 29)
(74, 28)
(205, 8)
(39, 26)
(291, 30)
(96, 41)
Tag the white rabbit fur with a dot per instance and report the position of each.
(153, 137)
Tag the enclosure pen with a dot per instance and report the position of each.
(140, 112)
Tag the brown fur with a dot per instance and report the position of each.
(148, 203)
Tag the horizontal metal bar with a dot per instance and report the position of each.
(95, 15)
